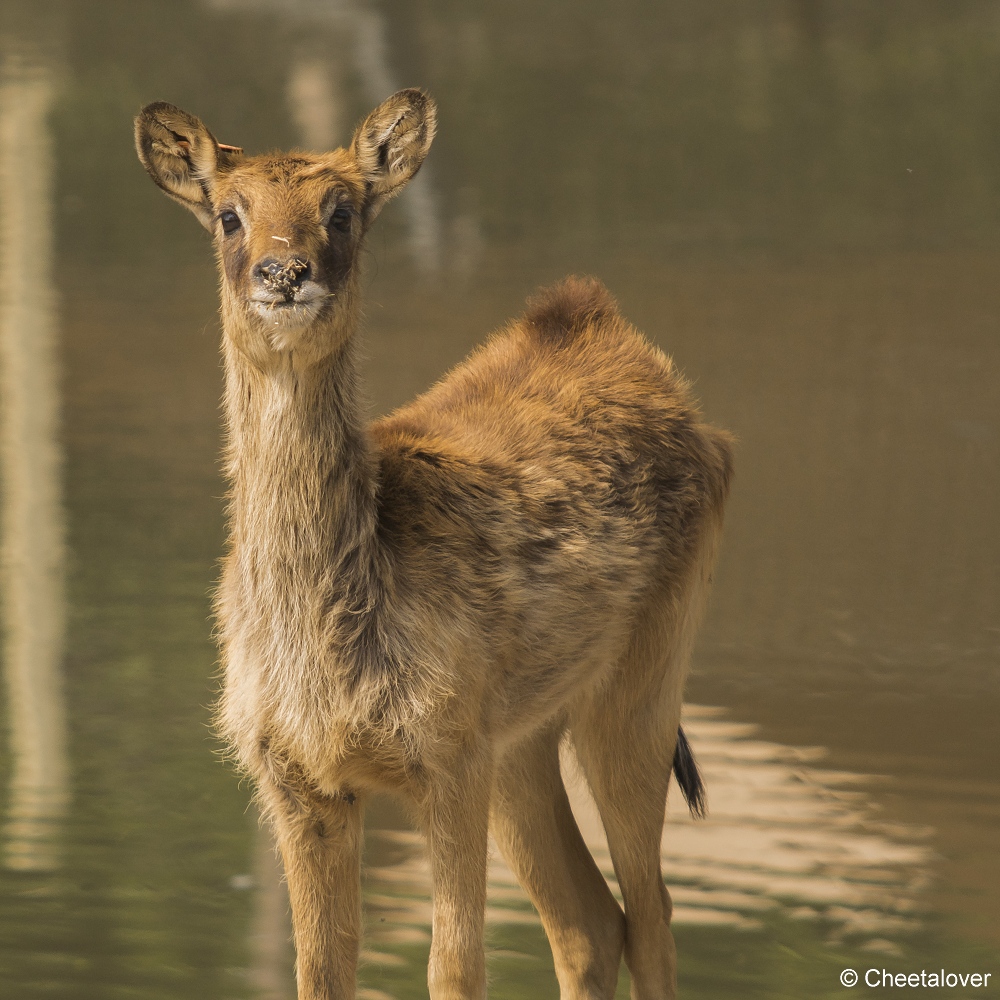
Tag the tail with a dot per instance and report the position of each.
(689, 777)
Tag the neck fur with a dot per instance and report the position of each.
(304, 561)
(297, 457)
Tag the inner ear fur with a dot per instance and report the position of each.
(182, 156)
(391, 143)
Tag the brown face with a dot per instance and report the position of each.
(287, 227)
(288, 230)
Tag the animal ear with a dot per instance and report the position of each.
(182, 157)
(391, 143)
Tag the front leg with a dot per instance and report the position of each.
(456, 818)
(320, 841)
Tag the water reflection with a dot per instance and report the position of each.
(316, 102)
(784, 836)
(32, 514)
(271, 960)
(785, 832)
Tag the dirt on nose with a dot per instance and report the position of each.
(284, 279)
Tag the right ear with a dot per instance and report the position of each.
(182, 157)
(391, 143)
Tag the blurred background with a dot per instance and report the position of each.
(798, 199)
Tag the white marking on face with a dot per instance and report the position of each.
(284, 239)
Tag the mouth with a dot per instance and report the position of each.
(279, 310)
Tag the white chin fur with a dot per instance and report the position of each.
(285, 320)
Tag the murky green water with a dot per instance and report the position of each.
(800, 200)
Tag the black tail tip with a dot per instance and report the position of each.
(689, 777)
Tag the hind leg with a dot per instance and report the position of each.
(535, 829)
(625, 741)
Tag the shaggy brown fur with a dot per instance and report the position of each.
(426, 606)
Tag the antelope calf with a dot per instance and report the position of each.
(428, 604)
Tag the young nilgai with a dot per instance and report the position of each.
(428, 604)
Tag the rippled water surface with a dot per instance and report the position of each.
(798, 199)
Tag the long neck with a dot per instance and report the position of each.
(302, 513)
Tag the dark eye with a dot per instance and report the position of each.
(341, 218)
(230, 222)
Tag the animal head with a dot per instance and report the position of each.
(287, 227)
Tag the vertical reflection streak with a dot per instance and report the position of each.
(418, 199)
(315, 102)
(271, 932)
(32, 519)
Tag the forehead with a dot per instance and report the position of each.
(306, 178)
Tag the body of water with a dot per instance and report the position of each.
(797, 199)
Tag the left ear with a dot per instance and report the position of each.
(391, 143)
(182, 157)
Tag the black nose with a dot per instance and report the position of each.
(282, 276)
